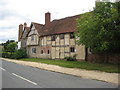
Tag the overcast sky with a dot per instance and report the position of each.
(15, 12)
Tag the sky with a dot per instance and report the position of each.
(15, 12)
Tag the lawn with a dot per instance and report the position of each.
(111, 68)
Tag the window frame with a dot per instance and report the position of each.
(33, 50)
(72, 36)
(72, 49)
(48, 51)
(62, 36)
(42, 52)
(53, 38)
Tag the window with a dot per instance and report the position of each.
(72, 49)
(53, 38)
(32, 38)
(41, 51)
(72, 36)
(33, 50)
(48, 52)
(62, 36)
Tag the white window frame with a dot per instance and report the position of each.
(33, 50)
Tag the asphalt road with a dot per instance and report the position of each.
(20, 76)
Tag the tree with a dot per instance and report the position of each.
(9, 49)
(100, 29)
(12, 46)
(5, 45)
(6, 48)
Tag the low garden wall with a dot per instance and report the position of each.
(104, 58)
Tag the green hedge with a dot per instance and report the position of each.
(21, 53)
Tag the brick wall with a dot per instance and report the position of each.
(104, 58)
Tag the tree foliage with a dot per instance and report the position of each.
(10, 46)
(20, 53)
(100, 29)
(11, 51)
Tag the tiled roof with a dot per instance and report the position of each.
(38, 27)
(64, 25)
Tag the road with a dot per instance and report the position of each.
(20, 76)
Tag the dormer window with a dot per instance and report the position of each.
(32, 38)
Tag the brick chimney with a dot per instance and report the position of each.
(20, 32)
(47, 18)
(25, 24)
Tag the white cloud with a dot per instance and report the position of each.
(35, 9)
(8, 35)
(15, 12)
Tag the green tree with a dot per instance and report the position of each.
(12, 46)
(9, 49)
(6, 44)
(100, 29)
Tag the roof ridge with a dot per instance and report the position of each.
(67, 17)
(36, 23)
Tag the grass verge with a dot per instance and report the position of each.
(111, 68)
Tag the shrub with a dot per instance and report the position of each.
(21, 53)
(7, 54)
(11, 55)
(4, 54)
(71, 58)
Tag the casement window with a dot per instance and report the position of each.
(33, 50)
(53, 38)
(48, 52)
(41, 51)
(32, 38)
(72, 35)
(72, 49)
(62, 36)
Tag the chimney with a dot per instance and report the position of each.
(25, 24)
(20, 32)
(47, 18)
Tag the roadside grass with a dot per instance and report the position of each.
(111, 68)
